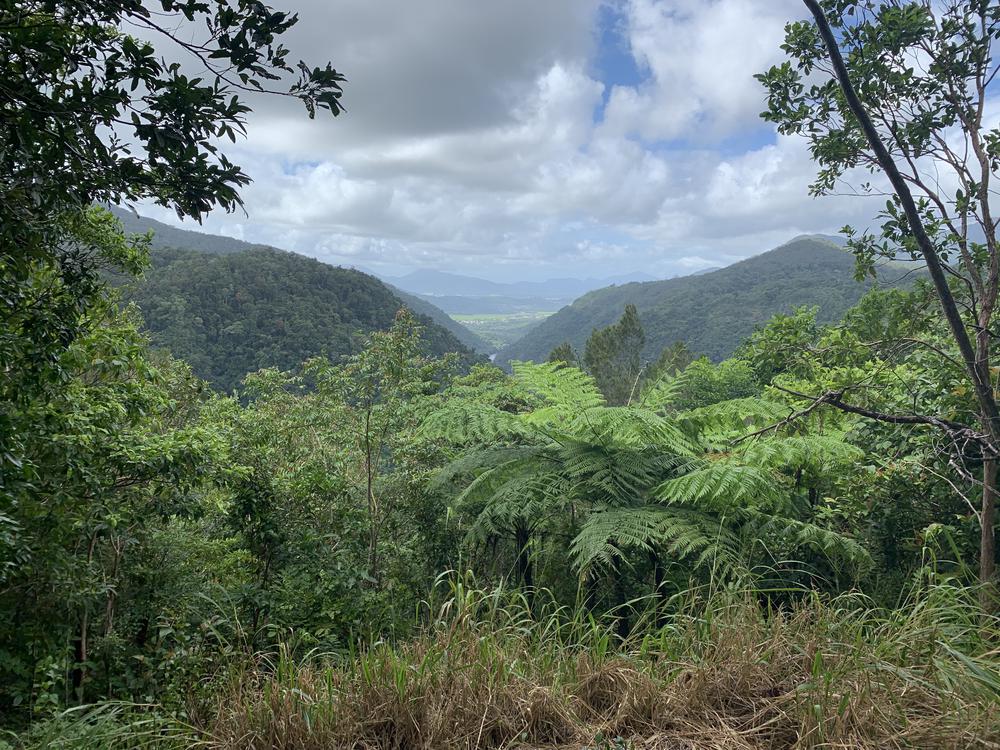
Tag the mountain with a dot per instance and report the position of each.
(165, 235)
(238, 308)
(442, 284)
(712, 312)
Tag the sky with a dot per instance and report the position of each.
(532, 139)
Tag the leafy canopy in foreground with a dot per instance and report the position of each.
(90, 112)
(637, 479)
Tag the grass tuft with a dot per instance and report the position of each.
(490, 671)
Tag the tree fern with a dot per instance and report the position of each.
(639, 480)
(564, 391)
(470, 423)
(608, 535)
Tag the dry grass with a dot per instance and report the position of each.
(723, 674)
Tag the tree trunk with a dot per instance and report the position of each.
(79, 674)
(372, 505)
(987, 544)
(660, 595)
(621, 615)
(525, 574)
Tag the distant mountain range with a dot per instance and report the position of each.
(469, 295)
(714, 311)
(229, 307)
(442, 284)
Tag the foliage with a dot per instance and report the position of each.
(613, 357)
(851, 88)
(564, 353)
(493, 670)
(712, 312)
(168, 244)
(113, 454)
(231, 315)
(624, 481)
(92, 114)
(180, 567)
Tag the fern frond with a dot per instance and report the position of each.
(467, 422)
(685, 534)
(564, 391)
(738, 415)
(660, 394)
(632, 427)
(525, 499)
(837, 547)
(475, 461)
(612, 476)
(816, 452)
(493, 478)
(724, 487)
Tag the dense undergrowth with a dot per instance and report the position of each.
(727, 667)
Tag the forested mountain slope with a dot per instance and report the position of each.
(228, 315)
(712, 312)
(167, 238)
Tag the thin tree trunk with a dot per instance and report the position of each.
(975, 359)
(525, 574)
(987, 544)
(80, 648)
(624, 623)
(80, 654)
(372, 503)
(660, 594)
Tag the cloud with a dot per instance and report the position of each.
(700, 56)
(484, 138)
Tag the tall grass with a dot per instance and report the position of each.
(107, 726)
(493, 670)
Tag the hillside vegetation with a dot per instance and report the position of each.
(167, 236)
(232, 314)
(167, 240)
(711, 312)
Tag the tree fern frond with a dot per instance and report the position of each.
(564, 391)
(837, 547)
(682, 533)
(466, 422)
(475, 461)
(661, 393)
(492, 479)
(523, 499)
(736, 416)
(632, 427)
(722, 486)
(815, 452)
